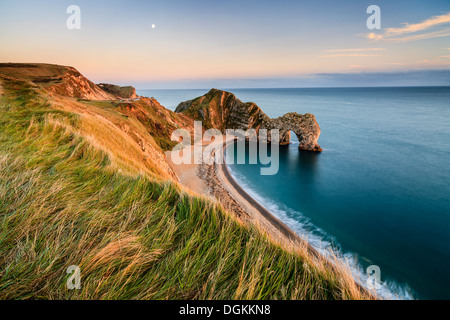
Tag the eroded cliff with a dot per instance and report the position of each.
(61, 80)
(134, 133)
(127, 92)
(222, 110)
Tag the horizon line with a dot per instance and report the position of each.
(319, 87)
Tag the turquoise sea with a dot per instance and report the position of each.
(379, 193)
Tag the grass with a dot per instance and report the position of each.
(135, 236)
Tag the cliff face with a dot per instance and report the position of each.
(222, 110)
(217, 109)
(61, 80)
(119, 92)
(159, 121)
(134, 133)
(86, 180)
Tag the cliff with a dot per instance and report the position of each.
(133, 133)
(61, 80)
(222, 110)
(85, 183)
(158, 121)
(119, 92)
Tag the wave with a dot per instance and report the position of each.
(323, 242)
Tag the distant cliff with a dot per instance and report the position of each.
(61, 80)
(119, 92)
(222, 110)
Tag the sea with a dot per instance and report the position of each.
(378, 194)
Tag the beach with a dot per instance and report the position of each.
(214, 180)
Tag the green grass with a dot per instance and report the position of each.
(134, 237)
(100, 104)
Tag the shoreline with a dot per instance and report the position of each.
(215, 181)
(284, 229)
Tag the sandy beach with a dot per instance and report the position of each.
(214, 180)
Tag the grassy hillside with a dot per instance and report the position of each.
(57, 79)
(71, 196)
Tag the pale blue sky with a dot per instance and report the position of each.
(230, 43)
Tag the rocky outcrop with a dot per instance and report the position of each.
(61, 80)
(222, 110)
(158, 121)
(119, 92)
(304, 126)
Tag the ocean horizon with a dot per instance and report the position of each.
(378, 193)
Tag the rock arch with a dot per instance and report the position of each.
(304, 126)
(222, 110)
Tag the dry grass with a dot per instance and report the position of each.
(64, 201)
(109, 131)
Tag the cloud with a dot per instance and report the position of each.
(425, 77)
(410, 28)
(415, 31)
(430, 35)
(373, 36)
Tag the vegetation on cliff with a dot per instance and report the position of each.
(66, 81)
(82, 183)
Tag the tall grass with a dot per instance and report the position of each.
(62, 203)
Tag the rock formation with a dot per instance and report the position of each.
(119, 92)
(61, 80)
(304, 126)
(137, 132)
(222, 110)
(158, 121)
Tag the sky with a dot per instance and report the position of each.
(234, 43)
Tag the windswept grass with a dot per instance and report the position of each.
(62, 203)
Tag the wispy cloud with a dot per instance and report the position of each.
(410, 28)
(415, 31)
(429, 35)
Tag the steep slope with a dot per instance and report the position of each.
(81, 184)
(119, 92)
(222, 110)
(159, 121)
(144, 126)
(62, 80)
